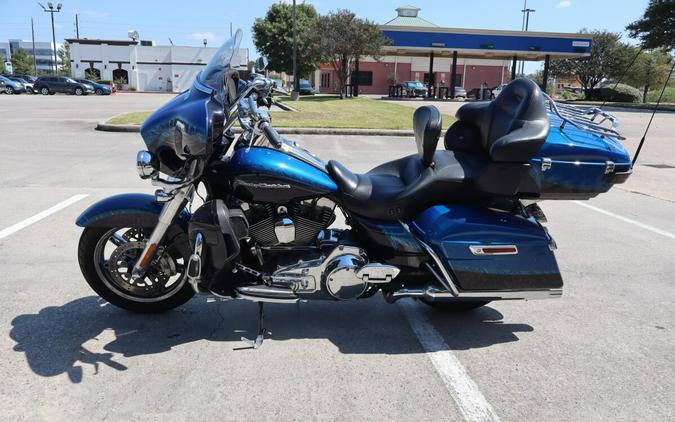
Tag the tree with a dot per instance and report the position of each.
(2, 63)
(651, 68)
(22, 62)
(656, 28)
(344, 38)
(273, 36)
(64, 55)
(608, 58)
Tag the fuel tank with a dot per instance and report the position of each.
(266, 175)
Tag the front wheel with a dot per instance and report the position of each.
(99, 91)
(107, 257)
(456, 306)
(44, 91)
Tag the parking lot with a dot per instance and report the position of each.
(604, 351)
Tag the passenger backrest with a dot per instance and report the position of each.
(427, 123)
(512, 127)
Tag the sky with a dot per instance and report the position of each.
(189, 22)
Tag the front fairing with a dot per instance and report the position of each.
(188, 126)
(184, 127)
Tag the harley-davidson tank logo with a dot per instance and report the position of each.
(263, 185)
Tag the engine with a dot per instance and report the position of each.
(295, 223)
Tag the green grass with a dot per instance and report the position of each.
(353, 113)
(133, 118)
(326, 112)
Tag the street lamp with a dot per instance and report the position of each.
(50, 9)
(204, 41)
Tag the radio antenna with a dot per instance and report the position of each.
(642, 141)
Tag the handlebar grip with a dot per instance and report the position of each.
(271, 134)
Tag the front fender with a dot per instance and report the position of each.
(127, 210)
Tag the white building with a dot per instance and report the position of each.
(44, 54)
(144, 66)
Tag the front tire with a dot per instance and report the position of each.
(44, 91)
(456, 306)
(99, 91)
(158, 292)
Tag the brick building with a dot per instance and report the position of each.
(422, 51)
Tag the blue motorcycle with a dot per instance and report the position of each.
(454, 228)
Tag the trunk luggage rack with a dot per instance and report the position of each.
(584, 118)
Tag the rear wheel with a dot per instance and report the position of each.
(78, 91)
(107, 256)
(9, 90)
(456, 306)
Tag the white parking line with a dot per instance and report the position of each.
(470, 401)
(628, 220)
(37, 217)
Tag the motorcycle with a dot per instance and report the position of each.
(454, 228)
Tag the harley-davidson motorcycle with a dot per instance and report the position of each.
(454, 228)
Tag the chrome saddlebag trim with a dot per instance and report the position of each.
(433, 294)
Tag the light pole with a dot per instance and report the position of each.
(204, 41)
(526, 15)
(50, 9)
(296, 83)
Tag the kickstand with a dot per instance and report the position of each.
(261, 330)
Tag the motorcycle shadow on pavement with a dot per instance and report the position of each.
(88, 331)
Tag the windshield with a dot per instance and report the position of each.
(212, 75)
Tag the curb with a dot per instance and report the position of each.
(106, 127)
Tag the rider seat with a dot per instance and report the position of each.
(505, 134)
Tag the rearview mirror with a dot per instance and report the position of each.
(261, 63)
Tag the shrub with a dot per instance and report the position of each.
(668, 95)
(104, 82)
(622, 93)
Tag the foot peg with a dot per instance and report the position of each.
(255, 344)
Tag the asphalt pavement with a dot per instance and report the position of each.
(604, 351)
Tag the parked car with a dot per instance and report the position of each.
(9, 86)
(50, 85)
(26, 77)
(99, 89)
(460, 93)
(413, 89)
(305, 88)
(27, 84)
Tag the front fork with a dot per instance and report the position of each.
(166, 217)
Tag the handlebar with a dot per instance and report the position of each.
(271, 134)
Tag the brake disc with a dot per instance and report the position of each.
(123, 259)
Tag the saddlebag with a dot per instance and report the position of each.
(486, 249)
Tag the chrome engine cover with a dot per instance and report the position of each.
(344, 274)
(341, 280)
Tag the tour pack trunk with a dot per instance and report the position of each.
(486, 249)
(575, 164)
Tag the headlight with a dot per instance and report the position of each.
(146, 164)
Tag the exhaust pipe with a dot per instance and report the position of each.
(434, 294)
